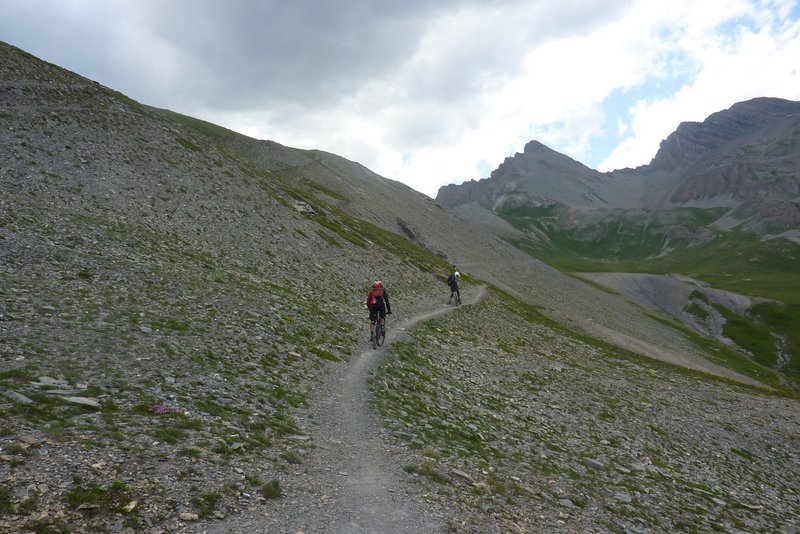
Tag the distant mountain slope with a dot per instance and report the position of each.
(720, 202)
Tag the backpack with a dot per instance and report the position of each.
(378, 293)
(451, 280)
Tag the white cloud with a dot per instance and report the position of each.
(426, 91)
(729, 68)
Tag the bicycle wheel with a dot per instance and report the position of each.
(375, 335)
(380, 334)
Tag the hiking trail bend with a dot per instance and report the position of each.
(353, 480)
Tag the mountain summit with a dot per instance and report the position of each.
(744, 159)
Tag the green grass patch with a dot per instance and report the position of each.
(16, 376)
(292, 457)
(210, 407)
(271, 489)
(188, 144)
(784, 321)
(357, 231)
(324, 354)
(744, 454)
(752, 337)
(189, 452)
(428, 470)
(732, 260)
(170, 435)
(327, 191)
(729, 358)
(94, 498)
(614, 236)
(200, 126)
(331, 240)
(206, 504)
(5, 500)
(698, 311)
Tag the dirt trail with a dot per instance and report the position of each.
(350, 483)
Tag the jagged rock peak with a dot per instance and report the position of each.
(691, 140)
(451, 195)
(538, 171)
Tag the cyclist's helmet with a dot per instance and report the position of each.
(377, 284)
(458, 275)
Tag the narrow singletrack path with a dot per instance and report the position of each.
(351, 483)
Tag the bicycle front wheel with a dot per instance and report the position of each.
(380, 334)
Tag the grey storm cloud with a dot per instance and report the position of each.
(246, 52)
(243, 54)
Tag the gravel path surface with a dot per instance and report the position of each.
(353, 481)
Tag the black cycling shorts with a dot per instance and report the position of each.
(378, 308)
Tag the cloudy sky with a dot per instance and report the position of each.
(429, 92)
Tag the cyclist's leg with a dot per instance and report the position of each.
(383, 314)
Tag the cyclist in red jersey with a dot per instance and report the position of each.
(378, 305)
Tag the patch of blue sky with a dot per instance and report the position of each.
(552, 136)
(676, 71)
(617, 108)
(484, 168)
(733, 27)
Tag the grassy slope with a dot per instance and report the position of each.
(508, 410)
(733, 261)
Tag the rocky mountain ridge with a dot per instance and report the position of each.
(745, 159)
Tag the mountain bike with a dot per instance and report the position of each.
(379, 335)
